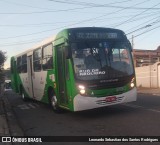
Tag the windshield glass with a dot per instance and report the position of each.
(101, 60)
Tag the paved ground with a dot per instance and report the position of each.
(9, 125)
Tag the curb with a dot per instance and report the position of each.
(14, 128)
(12, 122)
(4, 128)
(153, 91)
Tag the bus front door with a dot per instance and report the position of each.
(30, 74)
(61, 63)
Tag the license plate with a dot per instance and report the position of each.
(111, 99)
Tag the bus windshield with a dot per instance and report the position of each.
(94, 60)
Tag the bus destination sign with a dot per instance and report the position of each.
(96, 35)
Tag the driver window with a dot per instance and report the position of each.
(116, 55)
(92, 59)
(78, 58)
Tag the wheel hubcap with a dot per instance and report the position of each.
(54, 102)
(22, 95)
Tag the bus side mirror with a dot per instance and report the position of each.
(130, 46)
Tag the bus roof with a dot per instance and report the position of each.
(95, 28)
(52, 38)
(38, 45)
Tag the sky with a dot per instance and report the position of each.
(23, 23)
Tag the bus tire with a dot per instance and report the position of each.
(54, 102)
(23, 95)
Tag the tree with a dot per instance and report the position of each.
(2, 60)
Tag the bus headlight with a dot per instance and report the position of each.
(82, 89)
(132, 84)
(82, 92)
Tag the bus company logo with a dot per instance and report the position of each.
(6, 139)
(120, 89)
(92, 93)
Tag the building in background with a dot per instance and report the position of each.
(146, 57)
(147, 68)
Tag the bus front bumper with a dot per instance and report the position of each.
(90, 102)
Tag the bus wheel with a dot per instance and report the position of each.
(23, 95)
(53, 102)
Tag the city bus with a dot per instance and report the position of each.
(78, 69)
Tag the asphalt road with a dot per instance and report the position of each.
(140, 118)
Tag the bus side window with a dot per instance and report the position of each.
(19, 64)
(24, 64)
(47, 62)
(37, 60)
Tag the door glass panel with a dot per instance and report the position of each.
(61, 74)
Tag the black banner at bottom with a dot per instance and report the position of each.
(80, 139)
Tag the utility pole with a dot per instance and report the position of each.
(134, 57)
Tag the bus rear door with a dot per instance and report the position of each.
(30, 75)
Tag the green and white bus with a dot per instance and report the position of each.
(78, 69)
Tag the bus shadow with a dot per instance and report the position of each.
(106, 111)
